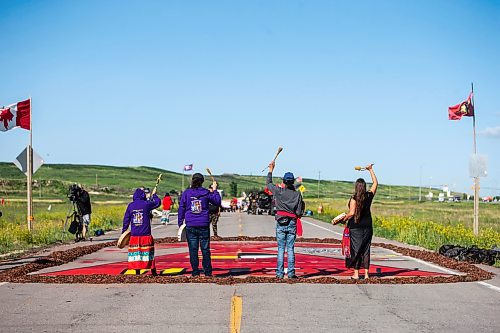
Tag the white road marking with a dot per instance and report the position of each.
(318, 226)
(449, 271)
(3, 283)
(417, 260)
(487, 285)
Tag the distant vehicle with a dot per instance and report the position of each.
(487, 199)
(264, 203)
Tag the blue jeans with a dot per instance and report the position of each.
(197, 236)
(286, 234)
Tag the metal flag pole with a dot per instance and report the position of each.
(476, 178)
(183, 171)
(30, 176)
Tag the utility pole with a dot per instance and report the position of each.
(319, 181)
(420, 186)
(30, 176)
(476, 178)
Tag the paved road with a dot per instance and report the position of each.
(463, 307)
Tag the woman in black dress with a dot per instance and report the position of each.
(359, 221)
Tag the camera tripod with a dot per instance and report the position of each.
(75, 223)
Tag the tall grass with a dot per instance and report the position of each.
(429, 225)
(48, 226)
(432, 235)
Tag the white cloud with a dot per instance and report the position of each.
(493, 132)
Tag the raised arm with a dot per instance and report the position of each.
(374, 179)
(214, 196)
(154, 202)
(269, 179)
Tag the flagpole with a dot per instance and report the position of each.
(476, 178)
(30, 176)
(182, 187)
(474, 118)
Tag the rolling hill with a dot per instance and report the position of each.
(111, 182)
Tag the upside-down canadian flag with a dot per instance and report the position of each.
(15, 115)
(465, 108)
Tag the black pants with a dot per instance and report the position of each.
(361, 240)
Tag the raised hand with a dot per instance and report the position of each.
(271, 166)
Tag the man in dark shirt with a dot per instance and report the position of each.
(84, 208)
(214, 214)
(289, 207)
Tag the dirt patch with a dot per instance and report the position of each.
(21, 274)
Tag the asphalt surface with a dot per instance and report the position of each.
(460, 307)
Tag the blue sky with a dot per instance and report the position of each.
(222, 84)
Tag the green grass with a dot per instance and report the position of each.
(52, 181)
(426, 224)
(48, 225)
(445, 213)
(393, 204)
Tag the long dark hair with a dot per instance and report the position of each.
(359, 196)
(197, 180)
(289, 185)
(195, 183)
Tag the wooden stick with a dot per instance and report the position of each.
(280, 149)
(158, 180)
(210, 173)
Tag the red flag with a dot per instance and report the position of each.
(15, 115)
(456, 112)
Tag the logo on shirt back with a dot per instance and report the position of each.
(195, 205)
(137, 217)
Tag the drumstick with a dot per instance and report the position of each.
(156, 185)
(358, 168)
(280, 149)
(210, 173)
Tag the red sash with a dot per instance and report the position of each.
(299, 222)
(346, 243)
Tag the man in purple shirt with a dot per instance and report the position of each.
(193, 209)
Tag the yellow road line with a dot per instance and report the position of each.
(236, 310)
